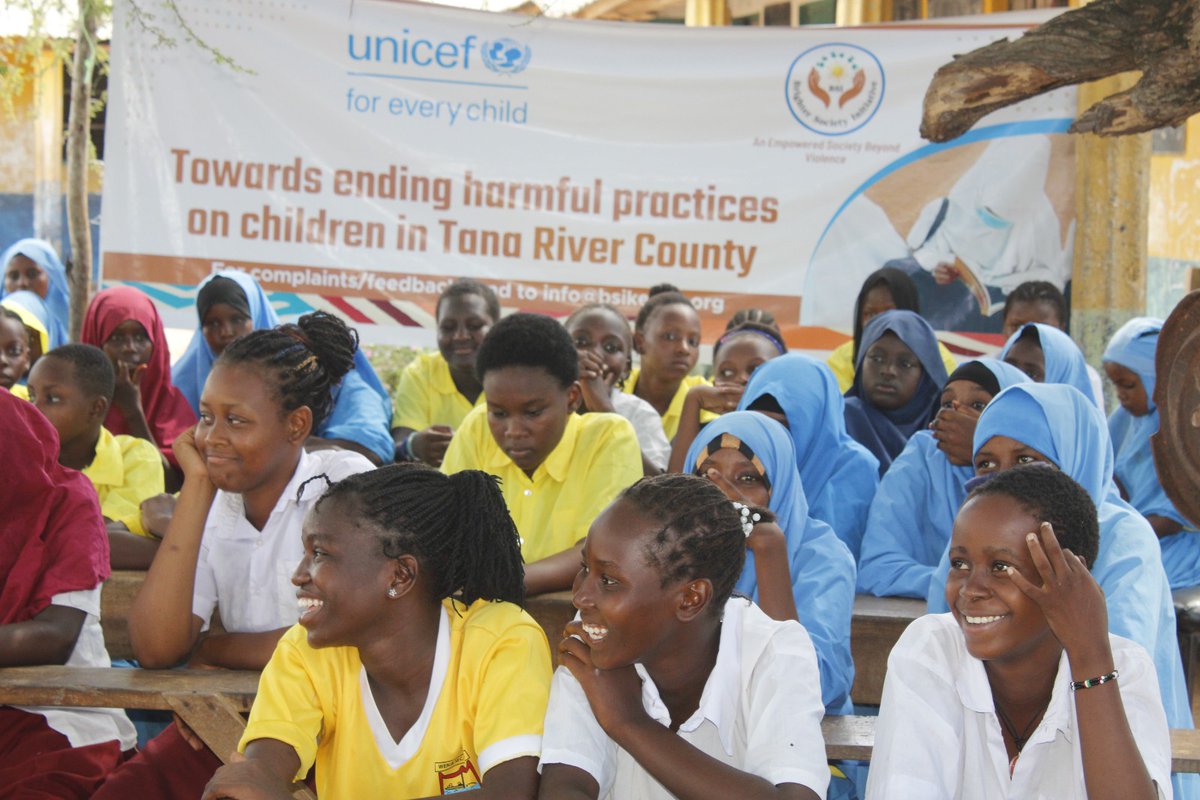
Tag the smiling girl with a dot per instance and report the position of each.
(897, 381)
(234, 539)
(668, 687)
(438, 389)
(413, 671)
(1021, 691)
(1057, 425)
(124, 323)
(666, 336)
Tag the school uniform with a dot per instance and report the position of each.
(485, 705)
(760, 712)
(247, 573)
(647, 425)
(1064, 425)
(938, 735)
(839, 475)
(1064, 362)
(1133, 346)
(57, 303)
(670, 419)
(841, 361)
(427, 395)
(596, 458)
(913, 512)
(125, 471)
(885, 432)
(53, 552)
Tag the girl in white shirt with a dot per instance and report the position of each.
(668, 687)
(1020, 692)
(234, 539)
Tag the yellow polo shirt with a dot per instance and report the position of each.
(596, 458)
(427, 396)
(125, 471)
(843, 365)
(20, 390)
(487, 698)
(670, 420)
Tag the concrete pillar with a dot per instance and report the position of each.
(1112, 185)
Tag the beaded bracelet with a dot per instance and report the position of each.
(1090, 682)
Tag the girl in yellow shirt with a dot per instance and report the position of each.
(666, 336)
(413, 671)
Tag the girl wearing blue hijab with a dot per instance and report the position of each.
(1060, 426)
(231, 303)
(749, 455)
(1047, 355)
(839, 475)
(898, 377)
(32, 265)
(913, 512)
(821, 568)
(1129, 362)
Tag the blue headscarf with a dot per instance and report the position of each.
(1064, 361)
(821, 567)
(1133, 347)
(839, 475)
(34, 307)
(191, 370)
(885, 433)
(913, 512)
(1067, 427)
(58, 298)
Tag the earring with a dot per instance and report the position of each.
(392, 593)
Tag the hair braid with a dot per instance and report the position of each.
(307, 360)
(457, 526)
(701, 534)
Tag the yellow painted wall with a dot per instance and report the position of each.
(1175, 201)
(32, 129)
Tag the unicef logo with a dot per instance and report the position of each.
(505, 56)
(834, 89)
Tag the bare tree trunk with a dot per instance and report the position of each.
(78, 160)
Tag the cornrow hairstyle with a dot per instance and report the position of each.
(660, 296)
(758, 315)
(529, 340)
(701, 534)
(1034, 292)
(768, 332)
(1050, 495)
(466, 286)
(93, 372)
(305, 361)
(457, 526)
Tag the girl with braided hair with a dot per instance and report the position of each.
(669, 687)
(234, 539)
(413, 671)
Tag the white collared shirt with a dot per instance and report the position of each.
(249, 572)
(760, 712)
(87, 726)
(647, 424)
(938, 735)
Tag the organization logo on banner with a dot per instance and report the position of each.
(506, 56)
(833, 89)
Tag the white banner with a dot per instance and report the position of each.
(356, 156)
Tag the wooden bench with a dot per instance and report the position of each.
(210, 702)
